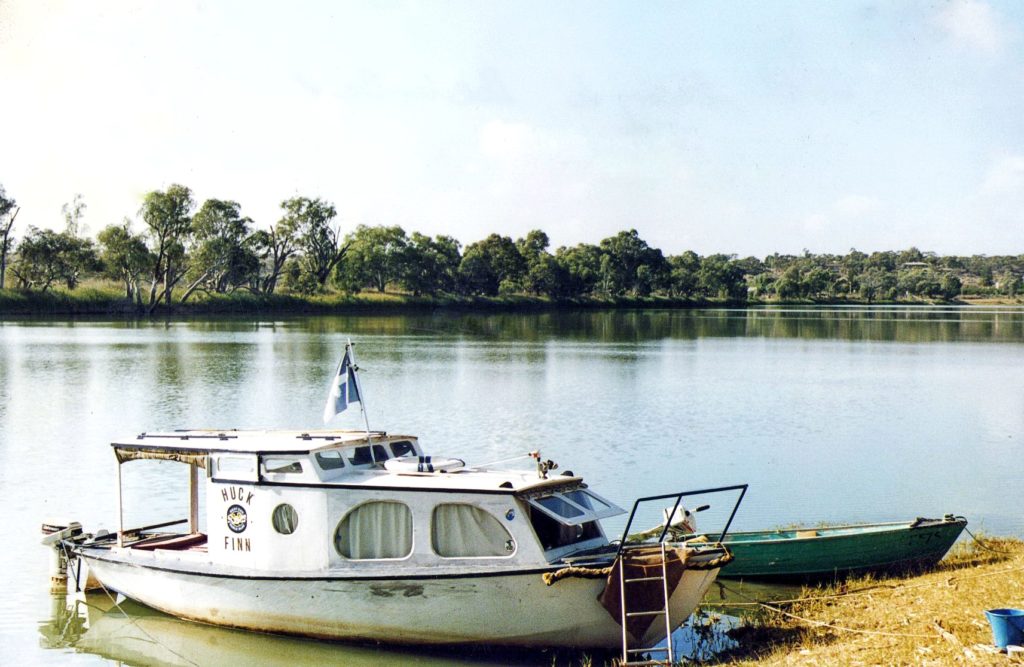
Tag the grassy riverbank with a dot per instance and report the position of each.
(932, 619)
(107, 300)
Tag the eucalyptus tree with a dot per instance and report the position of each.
(45, 257)
(317, 239)
(73, 213)
(721, 276)
(168, 217)
(376, 257)
(683, 273)
(491, 265)
(582, 265)
(544, 275)
(8, 212)
(951, 286)
(275, 246)
(125, 257)
(789, 284)
(626, 253)
(431, 264)
(221, 259)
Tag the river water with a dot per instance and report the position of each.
(829, 414)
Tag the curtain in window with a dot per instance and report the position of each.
(375, 530)
(462, 531)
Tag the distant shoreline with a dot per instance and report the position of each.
(98, 301)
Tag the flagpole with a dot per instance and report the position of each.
(362, 401)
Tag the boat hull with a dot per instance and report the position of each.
(508, 609)
(834, 552)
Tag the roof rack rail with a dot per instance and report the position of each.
(329, 437)
(187, 436)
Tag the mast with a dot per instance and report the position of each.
(359, 392)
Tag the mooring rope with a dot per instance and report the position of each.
(126, 614)
(832, 626)
(985, 546)
(877, 588)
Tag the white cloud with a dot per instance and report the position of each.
(972, 24)
(1006, 176)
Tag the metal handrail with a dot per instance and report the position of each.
(742, 488)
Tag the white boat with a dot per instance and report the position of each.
(337, 534)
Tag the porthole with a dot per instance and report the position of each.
(285, 519)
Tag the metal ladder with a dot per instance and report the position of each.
(627, 652)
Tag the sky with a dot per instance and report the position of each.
(735, 127)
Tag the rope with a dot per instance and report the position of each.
(142, 630)
(714, 563)
(832, 626)
(596, 573)
(860, 591)
(132, 620)
(582, 572)
(984, 546)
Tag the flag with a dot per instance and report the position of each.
(344, 387)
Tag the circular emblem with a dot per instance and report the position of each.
(237, 518)
(511, 514)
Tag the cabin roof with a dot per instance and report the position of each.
(194, 445)
(252, 442)
(465, 479)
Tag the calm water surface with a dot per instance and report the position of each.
(830, 415)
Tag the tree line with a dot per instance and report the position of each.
(184, 249)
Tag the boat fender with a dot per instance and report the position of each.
(423, 464)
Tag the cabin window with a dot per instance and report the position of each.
(402, 448)
(285, 519)
(553, 535)
(237, 467)
(559, 507)
(588, 501)
(465, 531)
(330, 460)
(574, 507)
(564, 518)
(281, 465)
(361, 455)
(379, 529)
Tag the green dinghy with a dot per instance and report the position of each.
(824, 553)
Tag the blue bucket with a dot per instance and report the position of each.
(1007, 626)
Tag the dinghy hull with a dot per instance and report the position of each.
(824, 553)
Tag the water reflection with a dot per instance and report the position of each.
(913, 324)
(902, 324)
(134, 634)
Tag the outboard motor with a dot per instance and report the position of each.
(54, 533)
(682, 521)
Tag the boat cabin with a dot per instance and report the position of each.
(346, 500)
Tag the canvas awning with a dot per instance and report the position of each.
(190, 456)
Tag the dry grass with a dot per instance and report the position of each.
(932, 619)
